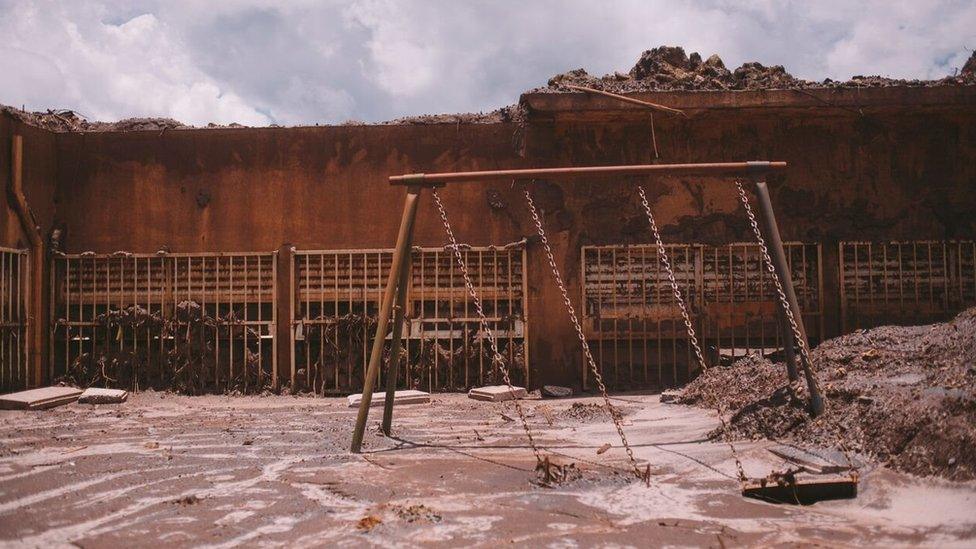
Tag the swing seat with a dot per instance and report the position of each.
(801, 491)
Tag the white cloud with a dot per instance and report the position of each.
(67, 56)
(305, 61)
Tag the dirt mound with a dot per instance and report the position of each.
(510, 113)
(970, 67)
(668, 68)
(903, 395)
(70, 121)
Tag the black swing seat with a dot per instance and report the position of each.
(790, 488)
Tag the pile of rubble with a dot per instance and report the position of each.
(70, 121)
(669, 68)
(905, 396)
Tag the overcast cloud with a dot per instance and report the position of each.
(259, 62)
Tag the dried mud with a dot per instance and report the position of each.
(905, 396)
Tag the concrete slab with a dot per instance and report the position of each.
(670, 396)
(814, 460)
(497, 393)
(39, 399)
(556, 391)
(400, 398)
(95, 395)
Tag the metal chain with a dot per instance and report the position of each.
(784, 303)
(483, 320)
(674, 283)
(663, 254)
(614, 414)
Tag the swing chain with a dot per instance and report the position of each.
(663, 254)
(483, 320)
(784, 303)
(615, 416)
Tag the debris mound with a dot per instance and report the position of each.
(903, 395)
(669, 68)
(509, 113)
(969, 69)
(70, 121)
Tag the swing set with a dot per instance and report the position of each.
(777, 486)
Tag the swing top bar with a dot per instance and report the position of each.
(725, 168)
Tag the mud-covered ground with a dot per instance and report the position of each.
(904, 395)
(271, 471)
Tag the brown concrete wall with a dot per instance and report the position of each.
(891, 174)
(39, 178)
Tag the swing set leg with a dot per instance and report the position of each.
(778, 255)
(398, 313)
(401, 258)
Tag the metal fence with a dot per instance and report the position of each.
(337, 299)
(905, 282)
(192, 322)
(634, 324)
(14, 292)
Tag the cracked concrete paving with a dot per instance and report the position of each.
(221, 471)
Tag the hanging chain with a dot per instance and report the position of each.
(788, 311)
(663, 254)
(614, 414)
(674, 283)
(483, 320)
(784, 303)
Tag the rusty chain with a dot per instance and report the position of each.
(663, 254)
(788, 312)
(615, 416)
(483, 320)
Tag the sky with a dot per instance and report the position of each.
(303, 62)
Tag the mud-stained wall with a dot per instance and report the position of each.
(892, 173)
(897, 174)
(39, 179)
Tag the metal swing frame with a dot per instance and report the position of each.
(400, 268)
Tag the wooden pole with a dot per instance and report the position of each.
(778, 255)
(398, 314)
(376, 356)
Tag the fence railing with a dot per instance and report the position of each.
(905, 282)
(634, 324)
(337, 299)
(14, 325)
(208, 321)
(192, 322)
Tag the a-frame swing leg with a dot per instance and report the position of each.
(398, 313)
(400, 260)
(778, 255)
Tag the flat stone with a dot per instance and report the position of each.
(39, 399)
(670, 396)
(497, 393)
(556, 391)
(814, 460)
(399, 398)
(95, 395)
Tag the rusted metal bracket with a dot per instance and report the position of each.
(419, 180)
